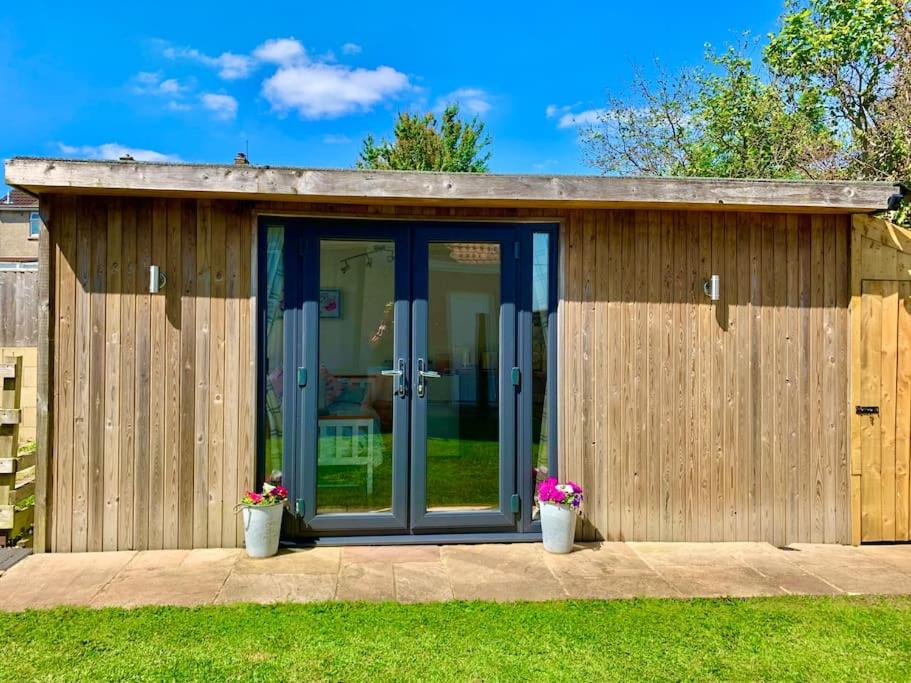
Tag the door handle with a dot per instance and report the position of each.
(423, 376)
(399, 374)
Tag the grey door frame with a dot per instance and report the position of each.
(301, 316)
(306, 352)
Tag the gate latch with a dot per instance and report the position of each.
(867, 410)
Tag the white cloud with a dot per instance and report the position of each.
(470, 100)
(224, 107)
(318, 90)
(151, 83)
(583, 118)
(174, 105)
(554, 110)
(113, 150)
(332, 139)
(230, 66)
(281, 51)
(313, 86)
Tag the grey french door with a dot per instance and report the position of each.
(463, 352)
(401, 414)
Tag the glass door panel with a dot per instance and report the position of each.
(463, 324)
(463, 457)
(355, 391)
(356, 338)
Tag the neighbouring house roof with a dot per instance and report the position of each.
(128, 177)
(18, 200)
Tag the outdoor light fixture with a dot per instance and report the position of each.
(157, 279)
(712, 287)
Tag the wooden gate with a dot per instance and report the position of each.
(881, 381)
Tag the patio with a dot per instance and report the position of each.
(462, 572)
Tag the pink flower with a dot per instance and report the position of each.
(255, 497)
(280, 492)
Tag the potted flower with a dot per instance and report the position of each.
(559, 504)
(262, 515)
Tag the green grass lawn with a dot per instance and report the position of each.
(771, 638)
(461, 472)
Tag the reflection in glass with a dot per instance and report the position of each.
(539, 328)
(274, 345)
(463, 346)
(354, 449)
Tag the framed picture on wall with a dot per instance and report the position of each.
(330, 303)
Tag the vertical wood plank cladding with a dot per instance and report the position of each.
(655, 355)
(246, 407)
(126, 473)
(842, 512)
(587, 378)
(110, 379)
(143, 405)
(718, 396)
(216, 398)
(97, 384)
(189, 353)
(791, 417)
(64, 386)
(609, 292)
(176, 302)
(602, 476)
(233, 334)
(203, 309)
(680, 395)
(82, 336)
(834, 421)
(161, 375)
(684, 419)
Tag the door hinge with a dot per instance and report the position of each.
(515, 503)
(302, 377)
(516, 376)
(299, 507)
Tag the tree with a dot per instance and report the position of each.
(722, 121)
(853, 54)
(421, 143)
(831, 99)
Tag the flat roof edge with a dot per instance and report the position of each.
(267, 183)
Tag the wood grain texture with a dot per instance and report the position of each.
(683, 418)
(19, 308)
(46, 300)
(410, 187)
(880, 375)
(727, 420)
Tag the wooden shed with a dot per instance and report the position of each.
(407, 352)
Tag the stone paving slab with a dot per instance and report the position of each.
(182, 578)
(522, 571)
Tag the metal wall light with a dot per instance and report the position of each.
(712, 287)
(157, 279)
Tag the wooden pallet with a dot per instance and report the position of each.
(17, 468)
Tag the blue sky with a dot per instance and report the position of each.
(302, 83)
